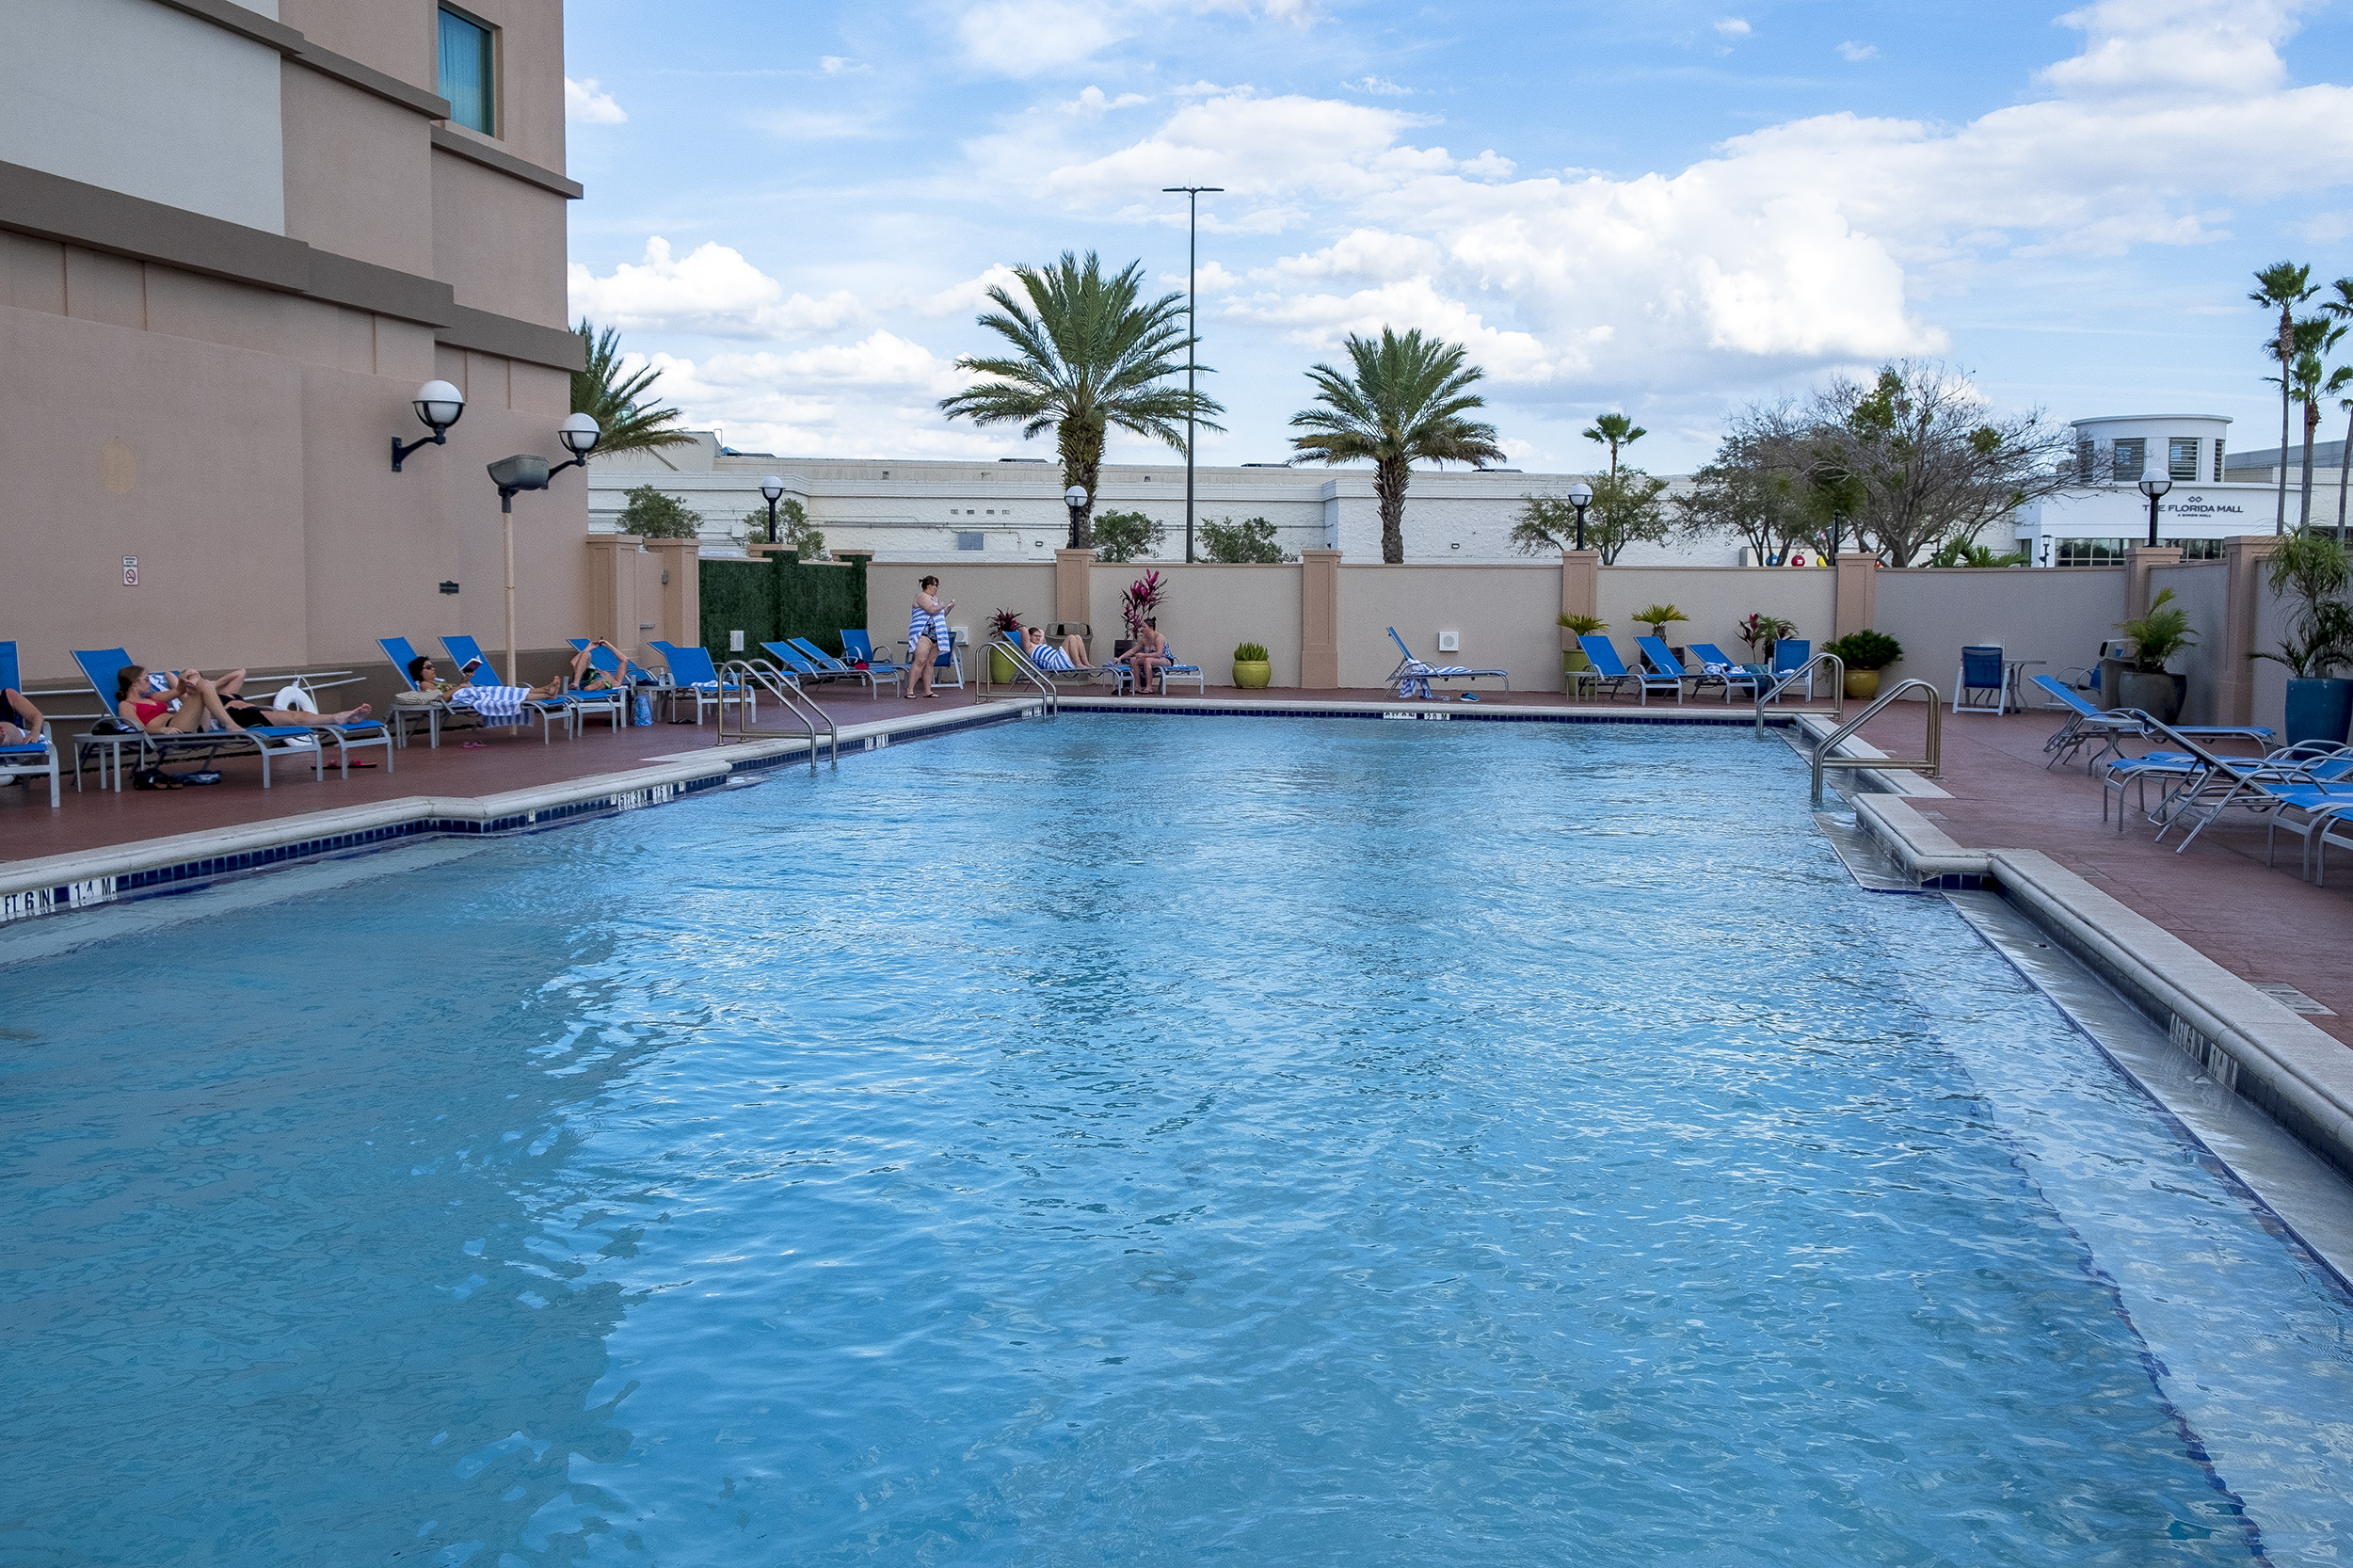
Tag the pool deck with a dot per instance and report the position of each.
(2265, 926)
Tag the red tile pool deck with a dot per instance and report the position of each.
(2263, 925)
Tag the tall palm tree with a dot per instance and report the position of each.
(1404, 402)
(2285, 284)
(2341, 309)
(2315, 337)
(622, 406)
(1614, 430)
(1088, 356)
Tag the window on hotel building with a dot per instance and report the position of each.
(468, 79)
(2181, 458)
(2130, 456)
(2198, 549)
(968, 541)
(2218, 462)
(2090, 552)
(2087, 461)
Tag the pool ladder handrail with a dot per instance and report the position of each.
(1837, 687)
(789, 696)
(1930, 765)
(1026, 669)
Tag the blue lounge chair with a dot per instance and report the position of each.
(858, 648)
(1982, 674)
(38, 754)
(1124, 676)
(692, 671)
(828, 667)
(1730, 672)
(567, 706)
(102, 666)
(1412, 670)
(2314, 778)
(1790, 655)
(1609, 671)
(2087, 723)
(1664, 665)
(402, 653)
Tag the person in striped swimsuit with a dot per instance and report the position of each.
(927, 636)
(1071, 655)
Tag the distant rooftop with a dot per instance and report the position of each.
(2326, 455)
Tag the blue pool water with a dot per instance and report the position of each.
(1111, 1141)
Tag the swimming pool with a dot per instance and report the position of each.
(1126, 1140)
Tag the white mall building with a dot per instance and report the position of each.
(2208, 501)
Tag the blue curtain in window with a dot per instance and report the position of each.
(466, 71)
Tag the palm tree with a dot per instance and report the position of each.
(2305, 381)
(2342, 308)
(1088, 356)
(623, 406)
(1614, 431)
(1405, 401)
(2286, 284)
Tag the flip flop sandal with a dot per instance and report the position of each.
(471, 745)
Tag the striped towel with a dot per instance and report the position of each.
(1051, 658)
(497, 705)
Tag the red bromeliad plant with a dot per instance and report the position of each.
(1142, 601)
(1762, 628)
(1006, 624)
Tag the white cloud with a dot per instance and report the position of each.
(710, 289)
(970, 297)
(2328, 228)
(1023, 38)
(1732, 26)
(839, 65)
(2153, 47)
(1855, 53)
(585, 105)
(1093, 102)
(879, 394)
(1380, 87)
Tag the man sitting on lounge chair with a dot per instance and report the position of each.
(1071, 655)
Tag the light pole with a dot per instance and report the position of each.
(1076, 499)
(1580, 497)
(772, 487)
(1192, 335)
(526, 471)
(2154, 487)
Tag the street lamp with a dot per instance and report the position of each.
(1076, 499)
(1192, 195)
(772, 487)
(522, 472)
(2153, 487)
(1580, 497)
(439, 404)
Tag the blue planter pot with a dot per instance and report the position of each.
(2319, 710)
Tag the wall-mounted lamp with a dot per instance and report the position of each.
(580, 434)
(439, 404)
(449, 587)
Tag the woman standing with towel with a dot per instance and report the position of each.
(927, 636)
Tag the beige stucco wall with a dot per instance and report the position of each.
(2059, 615)
(1505, 616)
(977, 589)
(1717, 600)
(482, 221)
(358, 178)
(2198, 587)
(1206, 611)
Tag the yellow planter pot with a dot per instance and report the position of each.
(999, 666)
(1254, 675)
(1862, 685)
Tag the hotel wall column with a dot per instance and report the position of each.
(2139, 561)
(2248, 557)
(1580, 582)
(1858, 591)
(682, 604)
(612, 590)
(1072, 569)
(1320, 619)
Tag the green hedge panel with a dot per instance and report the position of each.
(778, 597)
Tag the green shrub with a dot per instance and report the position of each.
(1584, 626)
(1124, 535)
(1247, 542)
(793, 529)
(1250, 654)
(2159, 634)
(1867, 650)
(651, 515)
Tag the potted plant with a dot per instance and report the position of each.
(2158, 635)
(2315, 569)
(1760, 629)
(1865, 653)
(1252, 668)
(1657, 617)
(1005, 624)
(1573, 627)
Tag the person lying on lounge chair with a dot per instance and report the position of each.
(150, 707)
(1071, 655)
(20, 722)
(421, 671)
(587, 677)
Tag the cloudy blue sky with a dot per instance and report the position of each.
(1668, 209)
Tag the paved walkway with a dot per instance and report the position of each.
(2263, 925)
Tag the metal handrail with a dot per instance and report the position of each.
(788, 697)
(1028, 670)
(1837, 687)
(1930, 765)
